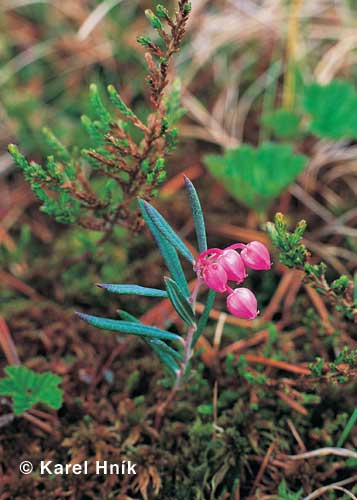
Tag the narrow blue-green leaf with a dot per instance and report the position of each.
(167, 231)
(204, 317)
(197, 215)
(168, 349)
(129, 327)
(166, 358)
(167, 251)
(180, 302)
(133, 290)
(127, 316)
(164, 352)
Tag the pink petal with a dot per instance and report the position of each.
(256, 256)
(215, 277)
(233, 264)
(242, 303)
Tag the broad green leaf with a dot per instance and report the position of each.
(204, 316)
(168, 252)
(283, 123)
(129, 327)
(27, 388)
(197, 215)
(133, 290)
(167, 232)
(256, 176)
(332, 109)
(180, 302)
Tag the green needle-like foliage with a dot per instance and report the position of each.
(27, 388)
(294, 254)
(130, 154)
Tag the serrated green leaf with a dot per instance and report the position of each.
(256, 176)
(167, 251)
(27, 388)
(283, 123)
(133, 290)
(180, 302)
(332, 109)
(197, 215)
(167, 232)
(129, 327)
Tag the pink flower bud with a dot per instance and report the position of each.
(256, 256)
(242, 303)
(233, 264)
(215, 276)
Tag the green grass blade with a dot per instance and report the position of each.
(352, 421)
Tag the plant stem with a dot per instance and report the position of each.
(187, 353)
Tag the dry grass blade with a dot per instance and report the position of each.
(95, 18)
(333, 486)
(321, 452)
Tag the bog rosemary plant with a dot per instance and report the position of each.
(215, 268)
(127, 152)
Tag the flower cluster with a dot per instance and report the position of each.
(216, 267)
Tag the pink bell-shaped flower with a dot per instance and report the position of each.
(242, 303)
(215, 276)
(233, 264)
(256, 256)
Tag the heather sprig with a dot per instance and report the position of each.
(341, 293)
(127, 152)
